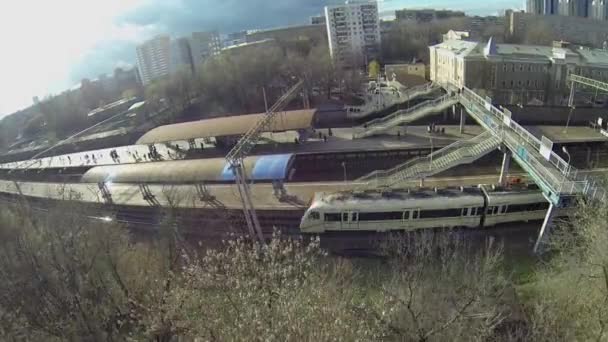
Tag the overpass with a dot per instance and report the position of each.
(561, 183)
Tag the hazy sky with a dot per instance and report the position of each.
(49, 46)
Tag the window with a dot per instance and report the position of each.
(332, 217)
(528, 207)
(391, 215)
(314, 215)
(440, 213)
(416, 214)
(344, 217)
(406, 215)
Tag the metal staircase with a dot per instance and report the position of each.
(458, 153)
(405, 116)
(553, 174)
(405, 94)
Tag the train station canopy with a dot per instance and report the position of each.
(228, 126)
(214, 170)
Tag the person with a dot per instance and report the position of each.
(69, 160)
(202, 146)
(325, 138)
(399, 135)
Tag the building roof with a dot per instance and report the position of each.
(463, 48)
(258, 168)
(594, 56)
(460, 47)
(228, 126)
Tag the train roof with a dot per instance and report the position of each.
(512, 194)
(258, 168)
(400, 199)
(228, 126)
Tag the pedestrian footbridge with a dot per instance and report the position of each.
(405, 116)
(561, 183)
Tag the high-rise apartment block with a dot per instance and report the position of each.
(353, 32)
(204, 45)
(153, 58)
(596, 9)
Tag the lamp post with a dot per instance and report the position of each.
(565, 150)
(572, 108)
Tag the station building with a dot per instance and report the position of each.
(516, 74)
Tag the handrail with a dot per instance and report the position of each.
(407, 95)
(388, 121)
(516, 136)
(387, 175)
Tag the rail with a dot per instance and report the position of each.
(460, 152)
(405, 115)
(405, 94)
(554, 174)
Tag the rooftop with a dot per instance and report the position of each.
(228, 126)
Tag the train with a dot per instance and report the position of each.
(408, 210)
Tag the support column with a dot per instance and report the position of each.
(504, 170)
(462, 120)
(545, 229)
(421, 182)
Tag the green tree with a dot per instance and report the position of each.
(373, 69)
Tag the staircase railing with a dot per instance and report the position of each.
(460, 152)
(404, 115)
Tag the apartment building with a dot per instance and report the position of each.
(153, 58)
(204, 45)
(515, 74)
(353, 32)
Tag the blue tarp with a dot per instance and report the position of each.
(271, 167)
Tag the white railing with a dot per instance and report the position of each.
(456, 153)
(373, 103)
(554, 172)
(404, 115)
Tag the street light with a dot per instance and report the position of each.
(572, 108)
(565, 150)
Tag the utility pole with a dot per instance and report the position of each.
(243, 147)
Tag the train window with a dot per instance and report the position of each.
(479, 210)
(495, 210)
(416, 214)
(333, 217)
(314, 215)
(406, 215)
(344, 217)
(440, 213)
(391, 215)
(503, 209)
(489, 210)
(354, 217)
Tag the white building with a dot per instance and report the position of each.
(353, 32)
(204, 45)
(513, 74)
(153, 58)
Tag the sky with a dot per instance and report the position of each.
(49, 46)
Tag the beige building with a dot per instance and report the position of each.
(407, 74)
(515, 74)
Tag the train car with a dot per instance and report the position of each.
(513, 205)
(395, 210)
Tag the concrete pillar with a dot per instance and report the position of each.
(504, 170)
(462, 120)
(421, 182)
(545, 229)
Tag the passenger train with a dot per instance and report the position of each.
(471, 207)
